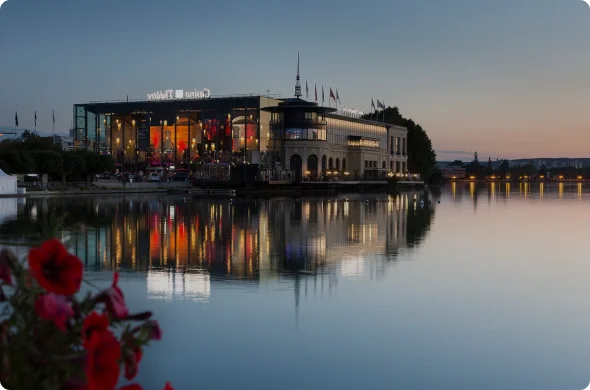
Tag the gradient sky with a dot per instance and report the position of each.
(508, 78)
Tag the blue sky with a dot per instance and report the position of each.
(508, 78)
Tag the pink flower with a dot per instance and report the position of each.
(114, 299)
(155, 332)
(54, 307)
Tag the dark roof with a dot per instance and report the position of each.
(296, 103)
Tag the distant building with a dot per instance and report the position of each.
(454, 173)
(65, 143)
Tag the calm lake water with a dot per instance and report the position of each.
(487, 289)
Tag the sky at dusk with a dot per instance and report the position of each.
(505, 78)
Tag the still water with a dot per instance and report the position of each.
(483, 287)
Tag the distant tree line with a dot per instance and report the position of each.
(421, 155)
(480, 171)
(31, 153)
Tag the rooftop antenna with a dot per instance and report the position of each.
(298, 82)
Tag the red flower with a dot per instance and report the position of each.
(114, 299)
(155, 332)
(133, 386)
(55, 269)
(168, 386)
(54, 307)
(6, 260)
(132, 359)
(94, 323)
(102, 364)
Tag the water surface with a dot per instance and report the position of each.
(485, 290)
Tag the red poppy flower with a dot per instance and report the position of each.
(133, 386)
(102, 364)
(54, 307)
(55, 269)
(114, 299)
(132, 359)
(168, 386)
(94, 323)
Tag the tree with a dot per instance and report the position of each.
(12, 159)
(421, 155)
(475, 158)
(74, 166)
(457, 163)
(504, 166)
(49, 162)
(29, 165)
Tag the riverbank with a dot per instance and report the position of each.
(224, 189)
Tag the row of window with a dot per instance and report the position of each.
(396, 149)
(305, 134)
(367, 143)
(394, 166)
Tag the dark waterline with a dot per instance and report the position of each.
(484, 290)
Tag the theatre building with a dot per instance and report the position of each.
(282, 138)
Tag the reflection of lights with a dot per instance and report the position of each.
(351, 267)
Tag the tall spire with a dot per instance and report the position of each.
(298, 82)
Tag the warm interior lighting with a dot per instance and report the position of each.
(561, 177)
(117, 139)
(346, 173)
(472, 177)
(579, 177)
(308, 173)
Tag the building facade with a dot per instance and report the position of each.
(173, 130)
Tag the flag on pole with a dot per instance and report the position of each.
(35, 118)
(372, 105)
(322, 94)
(306, 90)
(316, 92)
(338, 96)
(16, 119)
(332, 96)
(53, 115)
(380, 105)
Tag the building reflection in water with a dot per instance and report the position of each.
(185, 246)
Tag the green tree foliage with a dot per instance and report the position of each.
(12, 158)
(421, 155)
(49, 162)
(74, 166)
(457, 163)
(5, 167)
(29, 164)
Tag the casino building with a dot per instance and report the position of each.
(283, 138)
